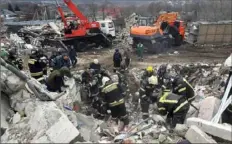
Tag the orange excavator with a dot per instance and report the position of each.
(165, 32)
(79, 31)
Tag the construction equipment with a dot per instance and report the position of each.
(79, 31)
(157, 37)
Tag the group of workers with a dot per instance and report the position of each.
(106, 94)
(172, 93)
(39, 65)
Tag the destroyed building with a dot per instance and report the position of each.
(32, 114)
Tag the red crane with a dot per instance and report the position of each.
(81, 31)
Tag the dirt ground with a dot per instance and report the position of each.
(184, 54)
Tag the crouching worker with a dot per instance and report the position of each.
(175, 106)
(148, 94)
(56, 79)
(113, 98)
(180, 85)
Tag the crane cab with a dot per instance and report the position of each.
(107, 27)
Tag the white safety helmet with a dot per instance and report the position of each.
(153, 80)
(95, 61)
(104, 80)
(228, 62)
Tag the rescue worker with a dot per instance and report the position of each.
(73, 55)
(127, 58)
(95, 65)
(112, 96)
(117, 59)
(101, 109)
(56, 79)
(4, 54)
(86, 76)
(148, 94)
(148, 73)
(122, 79)
(161, 73)
(176, 106)
(172, 31)
(180, 85)
(60, 61)
(103, 73)
(13, 60)
(36, 65)
(140, 50)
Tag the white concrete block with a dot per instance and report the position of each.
(47, 124)
(181, 129)
(208, 108)
(214, 129)
(196, 135)
(16, 118)
(62, 131)
(5, 106)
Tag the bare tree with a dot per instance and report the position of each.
(93, 9)
(104, 8)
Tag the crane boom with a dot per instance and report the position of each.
(75, 10)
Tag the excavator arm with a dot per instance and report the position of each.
(75, 10)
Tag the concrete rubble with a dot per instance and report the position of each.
(50, 122)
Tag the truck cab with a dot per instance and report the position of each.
(107, 27)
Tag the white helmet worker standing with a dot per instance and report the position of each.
(95, 61)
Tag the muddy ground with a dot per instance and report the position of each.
(178, 55)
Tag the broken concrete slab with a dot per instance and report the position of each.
(16, 118)
(181, 129)
(46, 125)
(196, 135)
(208, 108)
(5, 106)
(87, 126)
(10, 83)
(192, 112)
(214, 129)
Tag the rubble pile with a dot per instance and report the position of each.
(31, 120)
(124, 36)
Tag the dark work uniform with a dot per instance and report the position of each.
(86, 77)
(73, 55)
(227, 114)
(37, 67)
(127, 58)
(16, 62)
(147, 96)
(95, 67)
(117, 59)
(182, 87)
(55, 81)
(175, 105)
(112, 96)
(59, 62)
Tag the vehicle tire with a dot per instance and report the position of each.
(81, 46)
